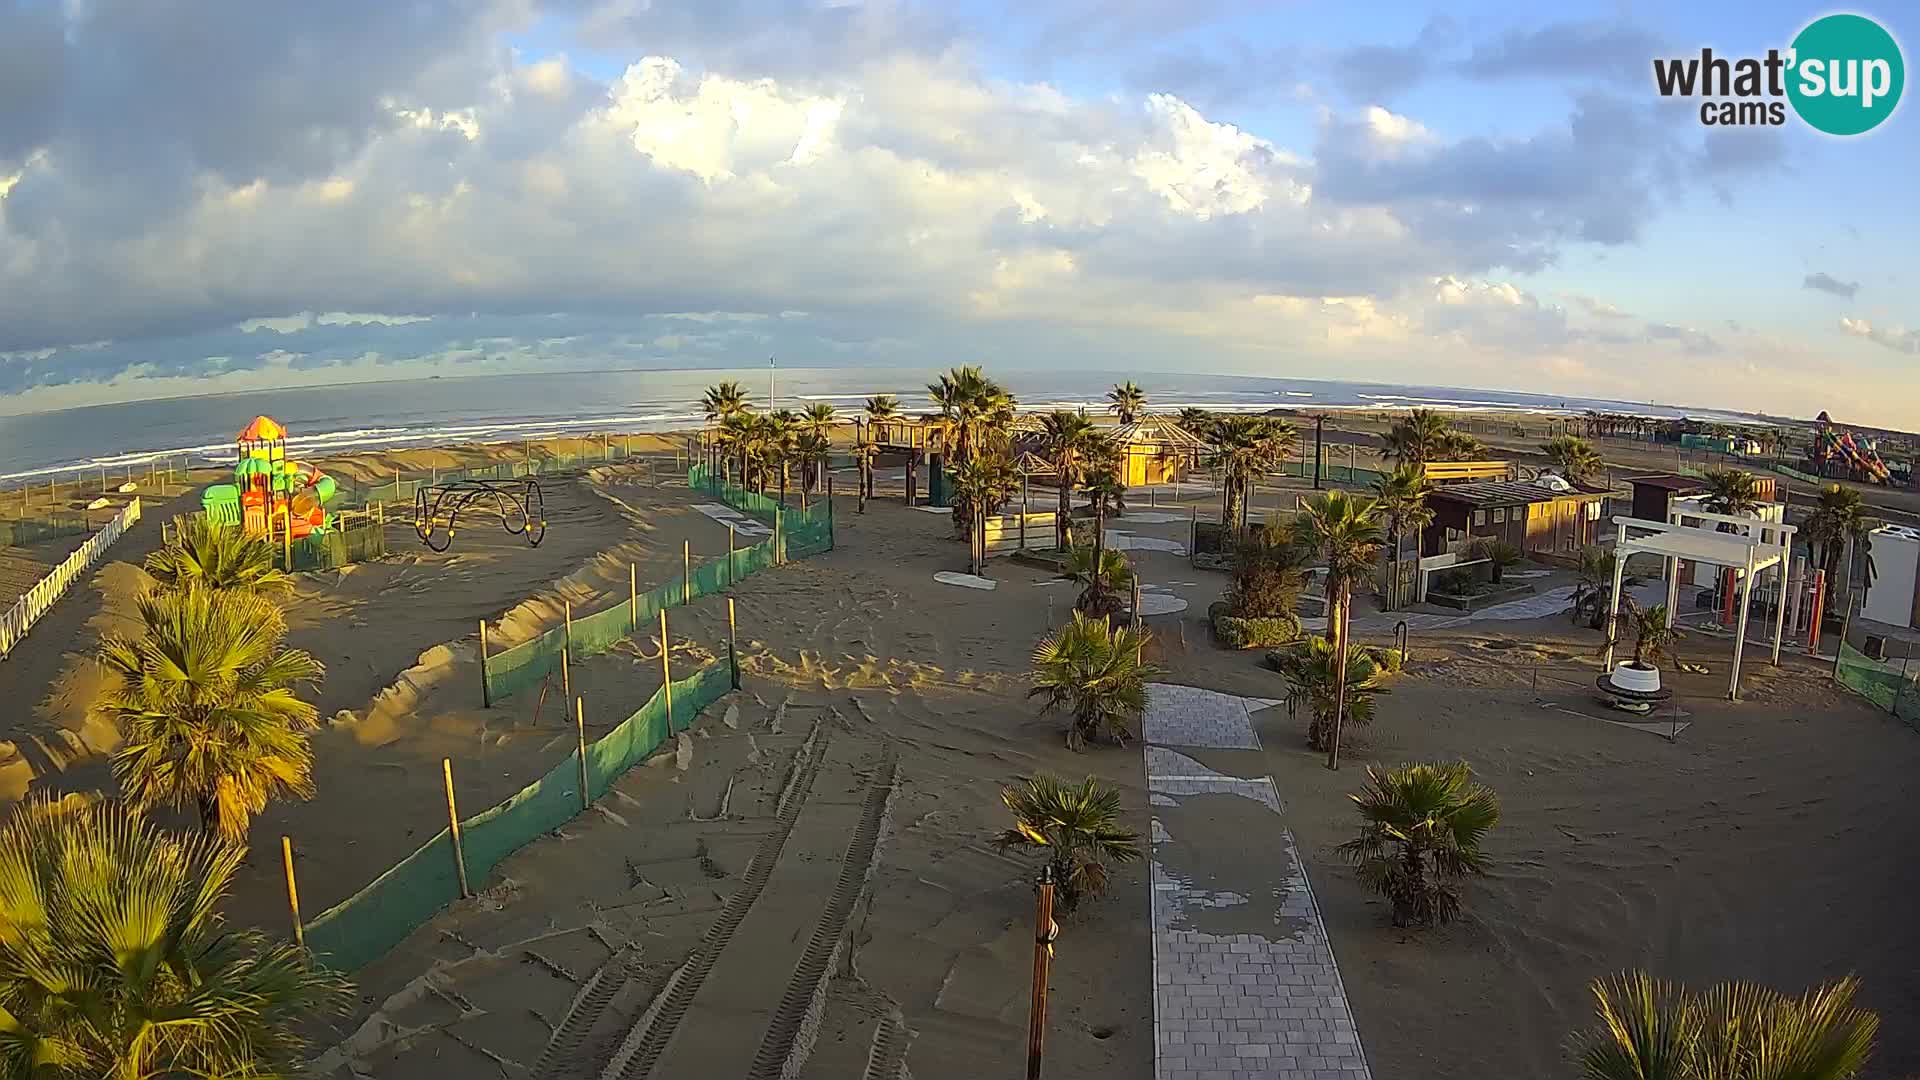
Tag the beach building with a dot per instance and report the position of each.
(1693, 512)
(1157, 450)
(1654, 494)
(1550, 516)
(1894, 595)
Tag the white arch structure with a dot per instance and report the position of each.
(1762, 546)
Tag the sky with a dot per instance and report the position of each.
(207, 195)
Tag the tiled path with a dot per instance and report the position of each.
(1245, 986)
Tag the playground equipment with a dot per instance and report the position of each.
(271, 496)
(1835, 454)
(518, 503)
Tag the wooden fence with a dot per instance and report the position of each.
(1032, 531)
(35, 602)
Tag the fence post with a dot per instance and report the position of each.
(566, 651)
(733, 562)
(733, 648)
(830, 536)
(580, 726)
(633, 598)
(666, 670)
(686, 572)
(293, 896)
(453, 827)
(779, 546)
(486, 692)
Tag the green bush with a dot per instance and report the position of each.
(1255, 633)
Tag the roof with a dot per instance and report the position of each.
(1699, 545)
(1670, 481)
(1509, 493)
(263, 429)
(1156, 430)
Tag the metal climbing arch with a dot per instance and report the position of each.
(517, 503)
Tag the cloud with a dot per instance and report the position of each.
(1695, 342)
(1597, 308)
(1609, 51)
(1892, 337)
(1827, 283)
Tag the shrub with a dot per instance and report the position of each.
(1421, 832)
(1255, 633)
(1269, 571)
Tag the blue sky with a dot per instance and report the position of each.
(198, 196)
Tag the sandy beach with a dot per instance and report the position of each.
(690, 925)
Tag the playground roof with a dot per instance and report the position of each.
(1509, 493)
(263, 429)
(1156, 430)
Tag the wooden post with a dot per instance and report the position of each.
(286, 515)
(733, 648)
(293, 895)
(1045, 930)
(779, 548)
(686, 572)
(733, 562)
(633, 597)
(566, 651)
(580, 726)
(486, 692)
(666, 669)
(453, 827)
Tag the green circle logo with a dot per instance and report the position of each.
(1846, 74)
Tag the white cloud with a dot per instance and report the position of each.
(1899, 339)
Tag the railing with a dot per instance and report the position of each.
(36, 601)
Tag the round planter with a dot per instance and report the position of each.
(1636, 679)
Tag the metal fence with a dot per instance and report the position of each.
(26, 611)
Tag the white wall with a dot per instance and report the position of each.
(1896, 559)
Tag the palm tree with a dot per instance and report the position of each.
(1421, 831)
(206, 703)
(736, 438)
(1198, 422)
(1649, 1029)
(1592, 598)
(1732, 491)
(880, 408)
(1077, 825)
(206, 555)
(1344, 529)
(1066, 438)
(1092, 671)
(1401, 496)
(818, 422)
(1574, 456)
(722, 402)
(1654, 632)
(1246, 447)
(782, 435)
(1313, 675)
(115, 961)
(1099, 598)
(1269, 572)
(1425, 435)
(1127, 401)
(1838, 525)
(982, 482)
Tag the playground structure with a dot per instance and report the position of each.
(1836, 455)
(271, 497)
(518, 504)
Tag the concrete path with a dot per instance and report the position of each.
(1245, 986)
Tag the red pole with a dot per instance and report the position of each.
(1813, 620)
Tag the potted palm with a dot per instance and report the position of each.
(1637, 680)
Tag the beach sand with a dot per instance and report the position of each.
(853, 785)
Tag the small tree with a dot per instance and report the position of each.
(1421, 833)
(1654, 632)
(1099, 594)
(1312, 674)
(1574, 456)
(1092, 671)
(1648, 1029)
(1269, 572)
(1732, 491)
(1126, 401)
(1078, 827)
(1499, 555)
(1593, 594)
(205, 555)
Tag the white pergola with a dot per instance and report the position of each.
(1764, 545)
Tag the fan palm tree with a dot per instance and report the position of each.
(1313, 675)
(880, 408)
(1269, 572)
(1401, 496)
(116, 963)
(1424, 435)
(1092, 671)
(1648, 1029)
(1837, 526)
(736, 436)
(1592, 598)
(1198, 422)
(982, 482)
(1066, 439)
(1116, 578)
(1732, 491)
(818, 422)
(1127, 401)
(782, 441)
(1104, 489)
(1654, 632)
(1244, 448)
(1078, 825)
(1574, 456)
(1345, 530)
(206, 700)
(1421, 831)
(723, 400)
(205, 555)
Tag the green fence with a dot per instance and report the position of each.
(28, 530)
(401, 488)
(1895, 689)
(1331, 472)
(358, 542)
(367, 924)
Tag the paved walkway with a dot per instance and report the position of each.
(1245, 986)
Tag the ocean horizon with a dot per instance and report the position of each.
(399, 414)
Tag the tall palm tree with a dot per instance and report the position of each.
(880, 408)
(1592, 596)
(1066, 438)
(1344, 529)
(1103, 487)
(1198, 422)
(116, 963)
(1092, 671)
(1837, 526)
(1312, 673)
(819, 421)
(1244, 448)
(736, 438)
(1732, 491)
(1574, 456)
(1649, 1029)
(984, 482)
(783, 445)
(720, 403)
(1421, 831)
(1127, 401)
(1097, 593)
(206, 700)
(1402, 498)
(205, 555)
(1424, 435)
(1078, 825)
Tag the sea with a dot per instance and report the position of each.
(437, 411)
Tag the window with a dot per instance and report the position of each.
(1479, 517)
(1500, 516)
